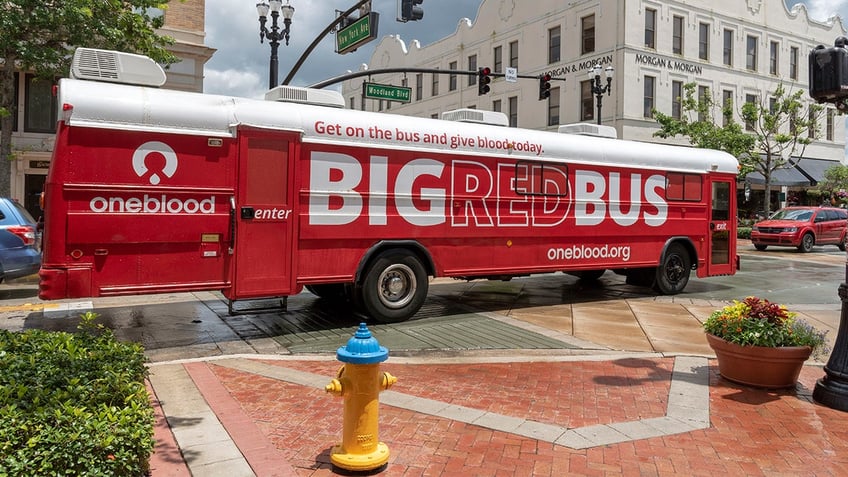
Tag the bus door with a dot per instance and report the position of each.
(721, 243)
(263, 218)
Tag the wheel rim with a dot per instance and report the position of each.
(808, 242)
(674, 269)
(397, 286)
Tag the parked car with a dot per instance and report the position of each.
(802, 227)
(19, 254)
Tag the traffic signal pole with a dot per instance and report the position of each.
(358, 74)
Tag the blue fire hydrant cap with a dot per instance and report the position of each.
(362, 348)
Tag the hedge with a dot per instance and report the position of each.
(73, 404)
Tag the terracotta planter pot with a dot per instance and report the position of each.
(759, 366)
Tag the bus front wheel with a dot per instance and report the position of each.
(394, 287)
(673, 272)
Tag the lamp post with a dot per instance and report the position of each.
(274, 35)
(597, 88)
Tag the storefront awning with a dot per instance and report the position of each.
(790, 177)
(815, 168)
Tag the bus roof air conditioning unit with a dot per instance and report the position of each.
(296, 94)
(116, 67)
(588, 129)
(467, 115)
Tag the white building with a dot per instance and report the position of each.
(735, 49)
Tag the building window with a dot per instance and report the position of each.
(650, 90)
(496, 106)
(587, 109)
(452, 77)
(435, 84)
(728, 47)
(472, 66)
(750, 99)
(380, 105)
(676, 99)
(498, 54)
(513, 111)
(772, 105)
(650, 28)
(704, 41)
(554, 42)
(703, 93)
(513, 54)
(677, 35)
(587, 27)
(352, 104)
(40, 112)
(793, 62)
(419, 86)
(751, 53)
(434, 116)
(829, 130)
(773, 57)
(727, 106)
(811, 129)
(553, 107)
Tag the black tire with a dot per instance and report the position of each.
(841, 243)
(589, 275)
(807, 242)
(673, 272)
(760, 247)
(329, 291)
(395, 287)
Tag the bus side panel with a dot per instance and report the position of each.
(132, 212)
(482, 217)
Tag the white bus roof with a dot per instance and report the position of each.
(107, 105)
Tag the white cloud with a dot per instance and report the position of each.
(823, 9)
(235, 83)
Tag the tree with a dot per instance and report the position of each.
(776, 132)
(39, 36)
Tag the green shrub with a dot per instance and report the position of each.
(743, 232)
(73, 404)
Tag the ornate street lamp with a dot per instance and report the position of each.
(597, 88)
(274, 35)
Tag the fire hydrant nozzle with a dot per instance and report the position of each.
(359, 382)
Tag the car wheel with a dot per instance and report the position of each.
(760, 247)
(395, 287)
(841, 244)
(807, 242)
(673, 272)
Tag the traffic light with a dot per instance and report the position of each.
(829, 72)
(483, 80)
(544, 86)
(410, 11)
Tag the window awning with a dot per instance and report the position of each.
(815, 168)
(805, 173)
(790, 177)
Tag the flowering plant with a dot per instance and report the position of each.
(758, 322)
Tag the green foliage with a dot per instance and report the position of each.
(779, 126)
(743, 232)
(40, 36)
(758, 322)
(73, 404)
(835, 179)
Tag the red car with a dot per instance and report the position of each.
(802, 227)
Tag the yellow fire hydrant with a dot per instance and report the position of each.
(359, 382)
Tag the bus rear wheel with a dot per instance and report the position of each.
(394, 287)
(673, 272)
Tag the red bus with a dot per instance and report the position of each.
(153, 190)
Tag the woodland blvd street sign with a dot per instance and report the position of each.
(386, 91)
(357, 33)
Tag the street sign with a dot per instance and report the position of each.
(387, 91)
(511, 75)
(358, 33)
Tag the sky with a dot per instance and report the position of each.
(240, 66)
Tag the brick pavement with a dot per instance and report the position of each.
(286, 426)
